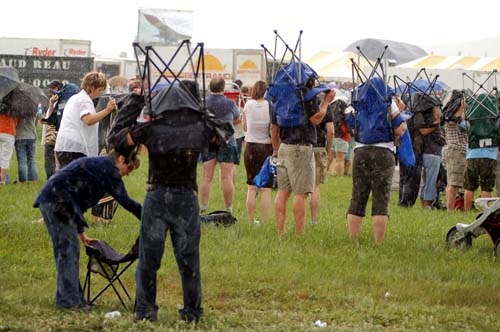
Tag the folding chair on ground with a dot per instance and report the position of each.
(110, 264)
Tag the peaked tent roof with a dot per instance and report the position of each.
(400, 52)
(336, 65)
(454, 62)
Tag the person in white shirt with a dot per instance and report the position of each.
(256, 124)
(78, 132)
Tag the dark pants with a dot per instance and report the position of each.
(174, 210)
(409, 183)
(64, 235)
(50, 160)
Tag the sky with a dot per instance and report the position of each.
(328, 25)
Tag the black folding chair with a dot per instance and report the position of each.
(110, 264)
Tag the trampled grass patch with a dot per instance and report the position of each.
(255, 280)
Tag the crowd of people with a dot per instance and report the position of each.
(325, 139)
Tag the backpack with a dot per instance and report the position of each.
(483, 121)
(338, 108)
(292, 87)
(68, 90)
(372, 116)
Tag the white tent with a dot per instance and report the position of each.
(336, 66)
(451, 69)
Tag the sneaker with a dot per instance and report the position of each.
(256, 222)
(203, 209)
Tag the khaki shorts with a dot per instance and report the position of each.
(320, 159)
(455, 167)
(296, 165)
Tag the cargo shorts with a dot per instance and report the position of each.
(455, 167)
(296, 168)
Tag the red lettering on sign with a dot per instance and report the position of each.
(42, 52)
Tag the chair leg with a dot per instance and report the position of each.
(86, 284)
(110, 283)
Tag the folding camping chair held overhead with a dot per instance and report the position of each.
(108, 263)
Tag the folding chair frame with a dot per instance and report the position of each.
(481, 88)
(410, 85)
(375, 68)
(153, 60)
(111, 280)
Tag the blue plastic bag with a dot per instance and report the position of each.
(264, 176)
(405, 151)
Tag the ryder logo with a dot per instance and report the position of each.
(35, 51)
(75, 52)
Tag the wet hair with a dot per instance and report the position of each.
(217, 84)
(55, 84)
(259, 89)
(93, 80)
(239, 83)
(134, 84)
(132, 160)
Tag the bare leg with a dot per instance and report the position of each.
(354, 226)
(251, 202)
(280, 209)
(485, 194)
(468, 197)
(379, 227)
(339, 163)
(315, 204)
(226, 176)
(206, 181)
(299, 212)
(265, 204)
(347, 166)
(3, 175)
(451, 194)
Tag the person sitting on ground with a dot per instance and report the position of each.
(63, 200)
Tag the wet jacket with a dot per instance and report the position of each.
(81, 184)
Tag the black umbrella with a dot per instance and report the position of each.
(9, 80)
(22, 102)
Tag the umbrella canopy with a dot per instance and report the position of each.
(171, 100)
(23, 101)
(9, 80)
(422, 86)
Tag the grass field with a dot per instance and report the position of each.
(254, 280)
